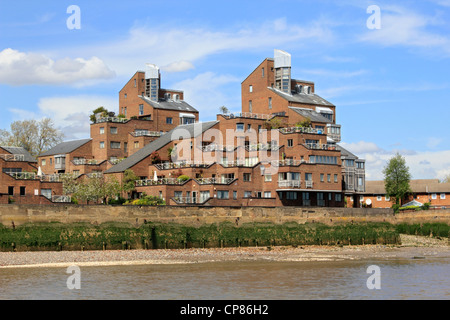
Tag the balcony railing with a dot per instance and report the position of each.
(262, 147)
(12, 157)
(181, 164)
(191, 200)
(238, 163)
(309, 184)
(215, 147)
(248, 115)
(287, 162)
(115, 161)
(24, 175)
(95, 175)
(289, 184)
(43, 178)
(82, 162)
(144, 133)
(318, 146)
(215, 180)
(112, 119)
(299, 130)
(159, 181)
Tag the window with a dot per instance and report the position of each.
(442, 196)
(125, 147)
(360, 181)
(259, 194)
(291, 195)
(387, 198)
(308, 176)
(335, 178)
(270, 103)
(76, 172)
(250, 88)
(267, 194)
(349, 163)
(178, 194)
(125, 111)
(169, 120)
(250, 107)
(11, 191)
(338, 197)
(22, 191)
(249, 127)
(221, 194)
(239, 127)
(141, 109)
(247, 194)
(115, 145)
(114, 130)
(102, 145)
(328, 177)
(187, 120)
(267, 178)
(44, 162)
(235, 195)
(102, 130)
(360, 165)
(136, 144)
(135, 83)
(262, 72)
(434, 196)
(378, 198)
(125, 95)
(290, 142)
(321, 177)
(329, 196)
(247, 177)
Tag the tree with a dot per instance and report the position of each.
(95, 188)
(34, 136)
(129, 181)
(396, 178)
(100, 110)
(224, 110)
(446, 179)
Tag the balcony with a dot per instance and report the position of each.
(111, 119)
(334, 132)
(248, 115)
(12, 157)
(309, 184)
(146, 133)
(82, 162)
(61, 199)
(299, 130)
(318, 146)
(287, 163)
(224, 181)
(181, 164)
(216, 147)
(191, 200)
(43, 178)
(262, 147)
(238, 163)
(159, 181)
(289, 184)
(94, 175)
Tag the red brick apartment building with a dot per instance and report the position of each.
(423, 191)
(21, 181)
(282, 149)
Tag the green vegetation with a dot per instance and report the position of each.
(77, 236)
(424, 229)
(396, 179)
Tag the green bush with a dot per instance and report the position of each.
(183, 178)
(148, 201)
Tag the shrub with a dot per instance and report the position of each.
(426, 206)
(396, 207)
(183, 178)
(148, 201)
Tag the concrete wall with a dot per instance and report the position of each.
(20, 214)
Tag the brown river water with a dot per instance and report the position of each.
(403, 278)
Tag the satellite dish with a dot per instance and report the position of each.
(368, 202)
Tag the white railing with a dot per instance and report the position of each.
(44, 177)
(24, 175)
(309, 184)
(159, 181)
(262, 147)
(82, 162)
(95, 175)
(299, 130)
(214, 180)
(112, 119)
(287, 162)
(318, 146)
(248, 115)
(115, 161)
(238, 163)
(290, 183)
(191, 200)
(12, 157)
(61, 199)
(215, 147)
(144, 133)
(181, 164)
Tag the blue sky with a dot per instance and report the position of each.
(390, 85)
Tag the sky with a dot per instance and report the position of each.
(384, 64)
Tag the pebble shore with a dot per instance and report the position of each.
(412, 247)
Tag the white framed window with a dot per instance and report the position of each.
(379, 198)
(44, 162)
(141, 109)
(290, 142)
(250, 88)
(115, 145)
(247, 194)
(114, 130)
(270, 103)
(387, 198)
(240, 127)
(267, 178)
(102, 145)
(102, 130)
(434, 196)
(442, 196)
(222, 194)
(267, 194)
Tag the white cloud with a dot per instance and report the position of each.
(422, 165)
(402, 27)
(19, 68)
(205, 93)
(178, 66)
(70, 114)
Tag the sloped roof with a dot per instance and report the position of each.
(312, 98)
(65, 147)
(22, 151)
(345, 153)
(165, 139)
(417, 186)
(311, 114)
(180, 105)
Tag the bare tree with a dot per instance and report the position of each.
(34, 136)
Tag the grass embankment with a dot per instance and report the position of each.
(113, 236)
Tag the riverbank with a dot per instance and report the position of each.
(413, 247)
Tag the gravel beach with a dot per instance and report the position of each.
(412, 247)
